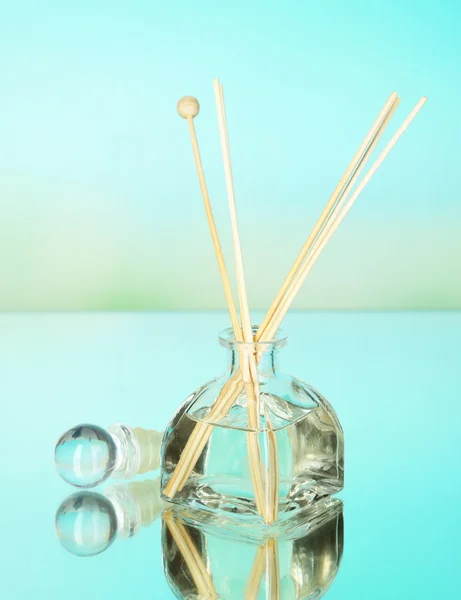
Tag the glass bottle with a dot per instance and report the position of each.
(212, 459)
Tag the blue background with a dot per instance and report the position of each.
(100, 210)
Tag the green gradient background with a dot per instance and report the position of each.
(99, 203)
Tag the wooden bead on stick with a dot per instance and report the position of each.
(188, 106)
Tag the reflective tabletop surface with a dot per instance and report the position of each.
(393, 378)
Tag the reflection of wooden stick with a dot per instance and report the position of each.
(188, 108)
(273, 569)
(248, 362)
(266, 560)
(259, 566)
(192, 557)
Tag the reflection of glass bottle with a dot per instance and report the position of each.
(204, 562)
(87, 523)
(87, 455)
(205, 456)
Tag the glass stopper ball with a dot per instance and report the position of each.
(86, 523)
(85, 455)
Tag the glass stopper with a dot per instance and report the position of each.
(85, 455)
(86, 523)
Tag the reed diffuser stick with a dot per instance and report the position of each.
(377, 134)
(333, 226)
(351, 169)
(201, 434)
(247, 358)
(273, 470)
(188, 108)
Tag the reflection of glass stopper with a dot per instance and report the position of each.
(87, 523)
(87, 455)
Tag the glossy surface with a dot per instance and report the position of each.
(393, 379)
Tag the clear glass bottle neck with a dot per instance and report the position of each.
(267, 361)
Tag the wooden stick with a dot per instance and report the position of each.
(353, 166)
(333, 226)
(273, 470)
(188, 108)
(369, 145)
(243, 298)
(192, 557)
(201, 434)
(248, 363)
(382, 122)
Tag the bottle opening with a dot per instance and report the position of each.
(227, 340)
